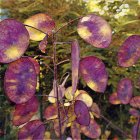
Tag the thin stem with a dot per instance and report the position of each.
(67, 60)
(66, 24)
(61, 43)
(55, 84)
(35, 28)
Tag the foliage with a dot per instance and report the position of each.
(124, 21)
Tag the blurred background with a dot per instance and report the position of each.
(124, 18)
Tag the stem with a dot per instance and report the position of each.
(55, 83)
(137, 130)
(67, 60)
(35, 29)
(66, 24)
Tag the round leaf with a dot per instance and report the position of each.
(135, 102)
(92, 131)
(14, 40)
(129, 51)
(20, 80)
(113, 99)
(34, 130)
(24, 112)
(82, 113)
(94, 73)
(125, 90)
(42, 22)
(95, 30)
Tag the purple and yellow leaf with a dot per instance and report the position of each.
(75, 56)
(95, 31)
(94, 73)
(33, 130)
(42, 22)
(113, 99)
(36, 65)
(14, 40)
(24, 112)
(134, 112)
(82, 113)
(83, 96)
(129, 52)
(125, 90)
(20, 80)
(91, 131)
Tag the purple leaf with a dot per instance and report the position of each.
(135, 102)
(94, 73)
(125, 90)
(24, 112)
(20, 80)
(136, 131)
(129, 51)
(34, 130)
(43, 44)
(14, 40)
(91, 131)
(134, 112)
(95, 31)
(75, 52)
(82, 113)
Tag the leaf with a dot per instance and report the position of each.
(14, 40)
(91, 131)
(52, 95)
(135, 102)
(75, 52)
(135, 131)
(51, 112)
(36, 65)
(82, 113)
(94, 73)
(83, 96)
(24, 112)
(113, 99)
(43, 44)
(75, 131)
(128, 53)
(42, 22)
(20, 80)
(34, 130)
(95, 31)
(125, 90)
(95, 110)
(134, 112)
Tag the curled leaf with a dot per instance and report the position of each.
(42, 22)
(34, 130)
(95, 30)
(14, 40)
(91, 131)
(75, 52)
(43, 44)
(94, 73)
(20, 80)
(129, 52)
(82, 113)
(113, 99)
(24, 112)
(125, 90)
